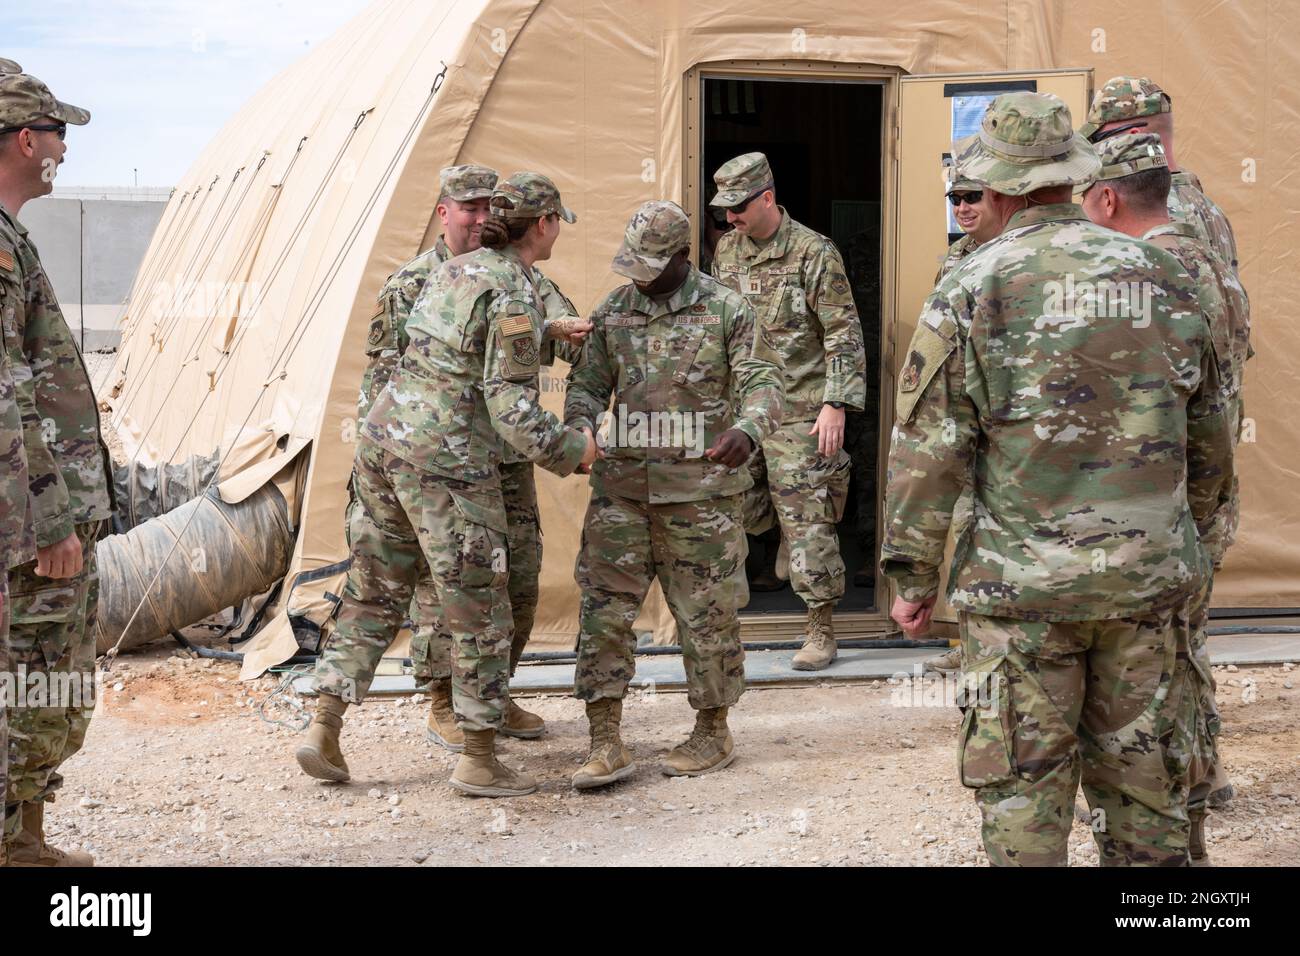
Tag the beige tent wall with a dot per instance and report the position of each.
(592, 93)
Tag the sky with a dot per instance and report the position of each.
(160, 77)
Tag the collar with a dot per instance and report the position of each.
(774, 248)
(1174, 227)
(1052, 212)
(13, 221)
(687, 294)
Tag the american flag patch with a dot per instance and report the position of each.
(6, 261)
(515, 325)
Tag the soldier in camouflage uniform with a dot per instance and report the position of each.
(428, 479)
(347, 670)
(53, 598)
(1067, 373)
(1135, 103)
(1130, 195)
(978, 222)
(794, 280)
(675, 350)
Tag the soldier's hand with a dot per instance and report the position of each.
(732, 448)
(913, 616)
(61, 560)
(571, 328)
(829, 429)
(593, 452)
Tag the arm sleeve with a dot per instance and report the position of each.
(510, 370)
(591, 382)
(832, 301)
(1210, 468)
(932, 452)
(757, 384)
(51, 504)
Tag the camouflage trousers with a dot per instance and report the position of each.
(412, 523)
(1208, 775)
(5, 669)
(806, 493)
(431, 643)
(697, 550)
(52, 635)
(1115, 702)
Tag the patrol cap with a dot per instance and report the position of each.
(25, 100)
(1125, 98)
(9, 66)
(656, 231)
(1125, 155)
(738, 179)
(528, 196)
(1026, 142)
(463, 183)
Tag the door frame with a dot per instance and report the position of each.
(790, 625)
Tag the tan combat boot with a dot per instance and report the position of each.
(320, 756)
(945, 663)
(442, 728)
(30, 848)
(522, 723)
(480, 774)
(709, 747)
(1196, 852)
(819, 645)
(608, 760)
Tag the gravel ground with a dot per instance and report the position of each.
(180, 769)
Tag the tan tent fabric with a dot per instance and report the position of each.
(593, 95)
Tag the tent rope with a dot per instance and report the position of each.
(282, 360)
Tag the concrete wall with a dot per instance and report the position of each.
(91, 243)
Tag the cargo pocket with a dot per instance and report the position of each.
(483, 560)
(985, 755)
(42, 621)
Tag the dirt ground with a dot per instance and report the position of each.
(180, 768)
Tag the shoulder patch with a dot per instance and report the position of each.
(6, 260)
(518, 324)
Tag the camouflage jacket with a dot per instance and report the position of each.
(676, 370)
(469, 376)
(804, 305)
(1087, 419)
(958, 251)
(1226, 308)
(69, 469)
(17, 542)
(1187, 203)
(388, 339)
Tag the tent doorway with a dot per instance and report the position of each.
(823, 138)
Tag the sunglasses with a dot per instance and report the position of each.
(970, 198)
(58, 129)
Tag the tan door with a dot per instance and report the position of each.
(923, 134)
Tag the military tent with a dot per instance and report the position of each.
(244, 333)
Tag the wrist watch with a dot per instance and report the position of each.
(838, 406)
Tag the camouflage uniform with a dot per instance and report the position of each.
(17, 543)
(427, 475)
(1129, 98)
(388, 339)
(1079, 433)
(796, 285)
(52, 621)
(659, 507)
(1227, 311)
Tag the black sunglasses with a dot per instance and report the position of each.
(58, 129)
(970, 198)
